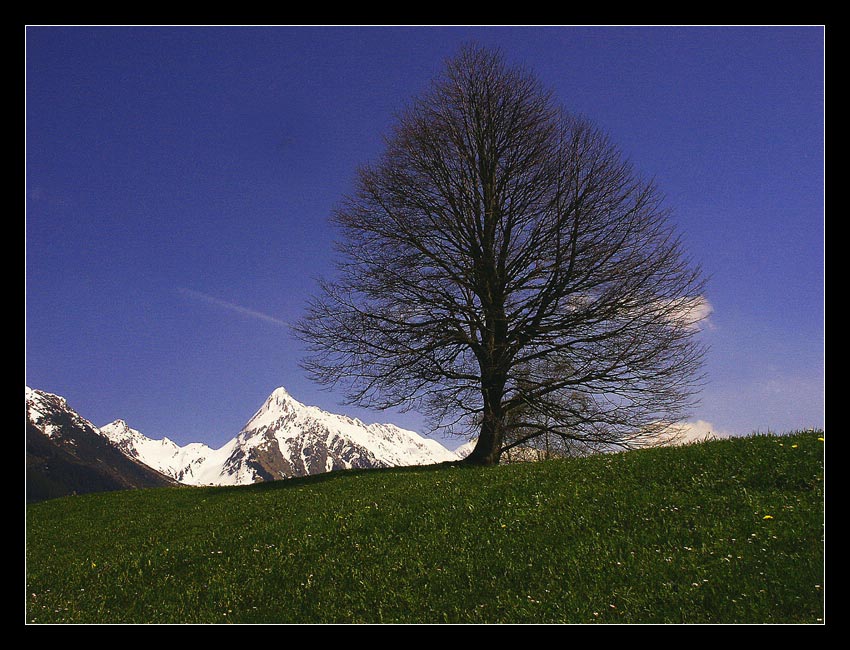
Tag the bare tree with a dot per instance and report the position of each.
(503, 265)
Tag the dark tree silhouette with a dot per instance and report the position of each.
(502, 266)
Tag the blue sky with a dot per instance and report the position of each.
(179, 182)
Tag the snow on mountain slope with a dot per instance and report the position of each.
(466, 448)
(287, 438)
(42, 407)
(192, 464)
(67, 454)
(284, 438)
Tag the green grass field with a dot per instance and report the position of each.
(728, 531)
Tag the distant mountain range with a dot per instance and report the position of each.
(67, 454)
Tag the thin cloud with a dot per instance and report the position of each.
(693, 312)
(239, 309)
(697, 431)
(699, 314)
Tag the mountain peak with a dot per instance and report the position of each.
(279, 403)
(119, 433)
(34, 395)
(279, 395)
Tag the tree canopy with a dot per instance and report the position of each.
(503, 267)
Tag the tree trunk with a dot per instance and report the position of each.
(488, 449)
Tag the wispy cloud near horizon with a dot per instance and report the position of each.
(239, 309)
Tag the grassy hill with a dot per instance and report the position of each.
(724, 531)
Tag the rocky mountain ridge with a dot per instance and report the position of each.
(284, 438)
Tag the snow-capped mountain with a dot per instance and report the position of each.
(46, 413)
(466, 448)
(287, 438)
(192, 464)
(67, 454)
(284, 438)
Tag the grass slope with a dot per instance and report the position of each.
(724, 531)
